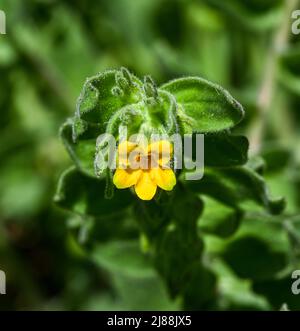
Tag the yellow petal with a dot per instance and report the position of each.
(161, 146)
(126, 178)
(124, 149)
(164, 178)
(145, 188)
(162, 150)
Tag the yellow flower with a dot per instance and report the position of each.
(145, 168)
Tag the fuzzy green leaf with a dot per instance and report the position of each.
(224, 150)
(84, 195)
(82, 151)
(177, 244)
(105, 93)
(219, 219)
(204, 106)
(234, 186)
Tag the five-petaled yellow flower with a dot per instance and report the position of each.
(145, 168)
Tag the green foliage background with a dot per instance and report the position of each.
(55, 260)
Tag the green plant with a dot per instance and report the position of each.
(190, 234)
(247, 47)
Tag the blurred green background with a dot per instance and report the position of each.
(49, 50)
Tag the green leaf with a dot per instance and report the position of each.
(204, 106)
(131, 116)
(219, 219)
(131, 273)
(236, 293)
(200, 292)
(105, 93)
(257, 164)
(168, 207)
(84, 195)
(177, 244)
(276, 157)
(278, 291)
(234, 186)
(82, 151)
(148, 293)
(173, 252)
(123, 257)
(90, 231)
(251, 257)
(162, 113)
(260, 248)
(224, 150)
(172, 235)
(145, 213)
